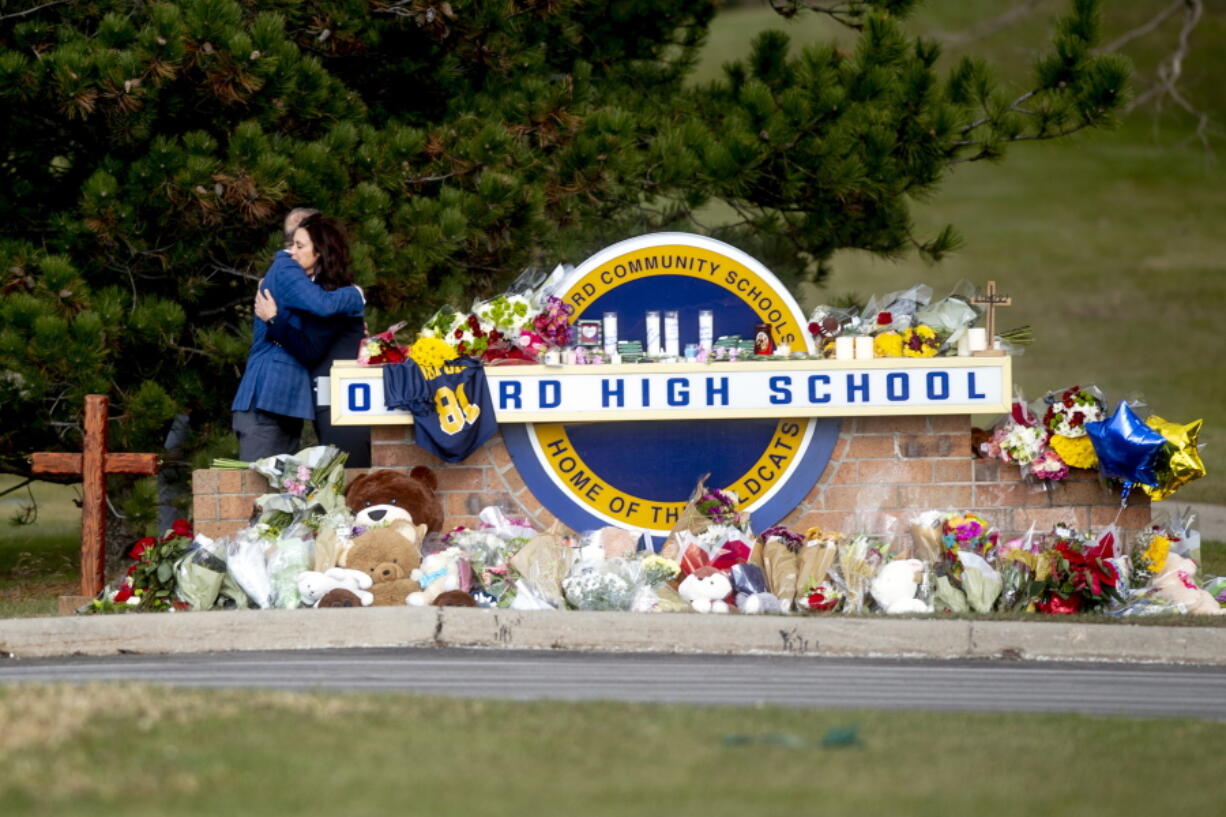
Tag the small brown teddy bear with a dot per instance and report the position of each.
(379, 497)
(389, 555)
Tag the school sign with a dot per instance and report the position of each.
(625, 444)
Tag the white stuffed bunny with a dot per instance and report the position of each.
(313, 586)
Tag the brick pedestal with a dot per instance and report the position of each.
(883, 472)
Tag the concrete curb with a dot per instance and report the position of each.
(611, 632)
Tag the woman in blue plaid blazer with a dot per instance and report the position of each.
(274, 395)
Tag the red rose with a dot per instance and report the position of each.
(181, 527)
(123, 594)
(884, 318)
(137, 550)
(814, 329)
(458, 333)
(472, 321)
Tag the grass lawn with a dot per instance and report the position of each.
(1109, 242)
(144, 750)
(40, 561)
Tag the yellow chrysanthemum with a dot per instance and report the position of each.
(887, 344)
(919, 342)
(431, 352)
(1155, 554)
(1077, 452)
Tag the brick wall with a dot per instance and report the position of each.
(885, 468)
(882, 469)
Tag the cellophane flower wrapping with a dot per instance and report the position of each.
(897, 310)
(1078, 572)
(610, 584)
(289, 558)
(543, 563)
(952, 315)
(1016, 560)
(247, 561)
(816, 586)
(200, 572)
(859, 559)
(487, 555)
(382, 348)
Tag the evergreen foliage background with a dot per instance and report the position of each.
(149, 150)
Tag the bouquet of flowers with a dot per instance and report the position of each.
(431, 353)
(150, 581)
(507, 313)
(922, 341)
(1077, 573)
(1016, 560)
(553, 322)
(1066, 416)
(382, 348)
(721, 508)
(310, 485)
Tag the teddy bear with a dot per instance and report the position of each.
(380, 497)
(313, 586)
(895, 585)
(705, 589)
(439, 573)
(1175, 584)
(388, 555)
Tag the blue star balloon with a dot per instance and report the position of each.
(1127, 448)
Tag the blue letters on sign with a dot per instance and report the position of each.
(814, 380)
(897, 387)
(359, 397)
(720, 391)
(970, 387)
(508, 395)
(938, 385)
(781, 393)
(678, 391)
(612, 390)
(860, 388)
(550, 394)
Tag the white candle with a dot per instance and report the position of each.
(706, 330)
(610, 332)
(672, 334)
(845, 348)
(653, 334)
(864, 348)
(978, 338)
(964, 345)
(569, 356)
(553, 358)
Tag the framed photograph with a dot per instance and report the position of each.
(588, 333)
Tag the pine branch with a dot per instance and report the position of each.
(843, 13)
(17, 487)
(29, 11)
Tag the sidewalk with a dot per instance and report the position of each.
(609, 632)
(1210, 520)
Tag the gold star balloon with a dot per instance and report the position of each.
(1183, 463)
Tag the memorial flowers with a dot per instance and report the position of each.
(149, 583)
(921, 341)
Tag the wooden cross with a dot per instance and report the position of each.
(93, 465)
(992, 300)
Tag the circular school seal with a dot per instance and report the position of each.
(640, 473)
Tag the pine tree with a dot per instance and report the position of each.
(148, 151)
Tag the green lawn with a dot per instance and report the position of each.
(145, 750)
(1109, 242)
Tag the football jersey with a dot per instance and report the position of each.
(451, 406)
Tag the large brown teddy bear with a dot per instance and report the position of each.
(389, 555)
(379, 497)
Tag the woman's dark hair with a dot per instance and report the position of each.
(332, 246)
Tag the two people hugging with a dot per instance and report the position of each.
(308, 313)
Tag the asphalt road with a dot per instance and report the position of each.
(978, 686)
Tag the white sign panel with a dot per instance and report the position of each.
(805, 388)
